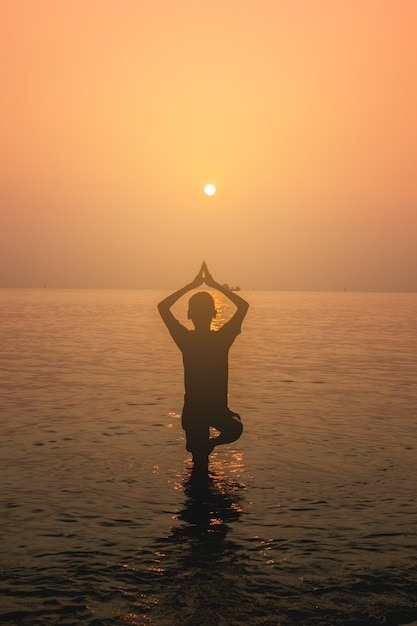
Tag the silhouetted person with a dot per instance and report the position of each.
(205, 356)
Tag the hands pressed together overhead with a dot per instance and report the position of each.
(204, 276)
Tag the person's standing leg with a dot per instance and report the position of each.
(197, 435)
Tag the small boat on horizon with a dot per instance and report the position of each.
(231, 288)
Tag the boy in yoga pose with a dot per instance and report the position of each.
(205, 358)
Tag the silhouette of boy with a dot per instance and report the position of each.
(205, 357)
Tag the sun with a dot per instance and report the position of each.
(209, 190)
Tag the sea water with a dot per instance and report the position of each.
(309, 518)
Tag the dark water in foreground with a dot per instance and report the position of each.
(310, 518)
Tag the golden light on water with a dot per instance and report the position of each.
(219, 304)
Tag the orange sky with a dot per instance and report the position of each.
(114, 115)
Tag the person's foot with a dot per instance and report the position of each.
(201, 458)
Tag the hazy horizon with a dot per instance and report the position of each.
(116, 115)
(203, 288)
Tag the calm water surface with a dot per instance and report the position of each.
(310, 518)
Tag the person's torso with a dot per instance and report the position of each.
(205, 357)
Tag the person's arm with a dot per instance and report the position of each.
(241, 304)
(164, 307)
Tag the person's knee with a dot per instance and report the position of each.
(237, 426)
(234, 429)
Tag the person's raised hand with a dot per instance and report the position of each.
(208, 278)
(199, 279)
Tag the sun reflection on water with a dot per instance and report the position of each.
(221, 308)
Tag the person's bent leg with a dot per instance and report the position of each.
(230, 427)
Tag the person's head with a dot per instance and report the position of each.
(201, 309)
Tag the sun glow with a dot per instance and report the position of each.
(209, 190)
